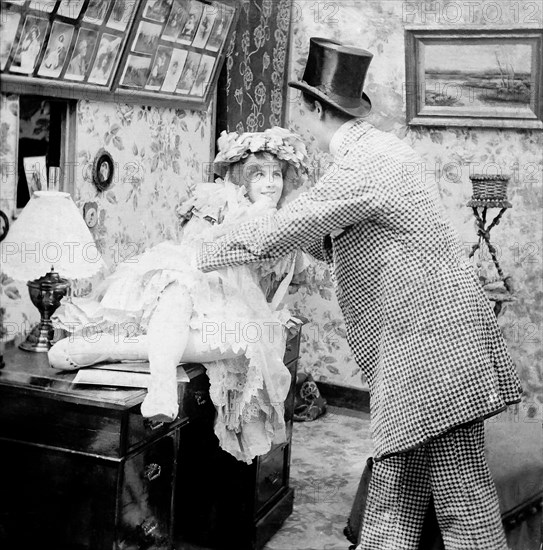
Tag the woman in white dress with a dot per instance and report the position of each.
(159, 307)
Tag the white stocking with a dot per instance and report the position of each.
(167, 337)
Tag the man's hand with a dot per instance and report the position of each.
(263, 206)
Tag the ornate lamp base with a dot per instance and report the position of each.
(40, 337)
(45, 293)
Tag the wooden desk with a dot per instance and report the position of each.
(81, 467)
(83, 470)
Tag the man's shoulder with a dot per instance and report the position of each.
(371, 144)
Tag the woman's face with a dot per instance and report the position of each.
(263, 178)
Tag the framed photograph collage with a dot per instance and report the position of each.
(148, 51)
(69, 40)
(174, 47)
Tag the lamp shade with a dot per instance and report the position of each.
(50, 232)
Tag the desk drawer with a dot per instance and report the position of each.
(145, 501)
(50, 498)
(48, 421)
(271, 476)
(194, 402)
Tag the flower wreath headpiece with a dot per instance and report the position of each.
(280, 142)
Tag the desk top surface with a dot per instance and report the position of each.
(31, 372)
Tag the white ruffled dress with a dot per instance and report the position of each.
(230, 311)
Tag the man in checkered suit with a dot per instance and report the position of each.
(418, 322)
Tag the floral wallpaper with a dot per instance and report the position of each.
(9, 114)
(251, 97)
(449, 155)
(159, 154)
(18, 315)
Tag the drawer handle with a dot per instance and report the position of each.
(200, 398)
(152, 471)
(148, 527)
(274, 479)
(152, 424)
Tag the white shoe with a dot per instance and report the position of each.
(160, 405)
(74, 353)
(59, 357)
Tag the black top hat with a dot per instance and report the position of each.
(335, 74)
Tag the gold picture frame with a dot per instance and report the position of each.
(479, 77)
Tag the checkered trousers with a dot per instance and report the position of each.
(452, 469)
(418, 322)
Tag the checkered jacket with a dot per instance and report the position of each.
(418, 321)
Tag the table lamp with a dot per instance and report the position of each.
(49, 239)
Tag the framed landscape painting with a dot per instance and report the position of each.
(474, 77)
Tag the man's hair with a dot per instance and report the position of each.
(309, 101)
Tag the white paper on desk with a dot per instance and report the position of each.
(128, 366)
(139, 366)
(126, 379)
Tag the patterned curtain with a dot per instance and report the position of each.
(251, 93)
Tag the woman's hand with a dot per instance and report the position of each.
(193, 204)
(257, 209)
(184, 210)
